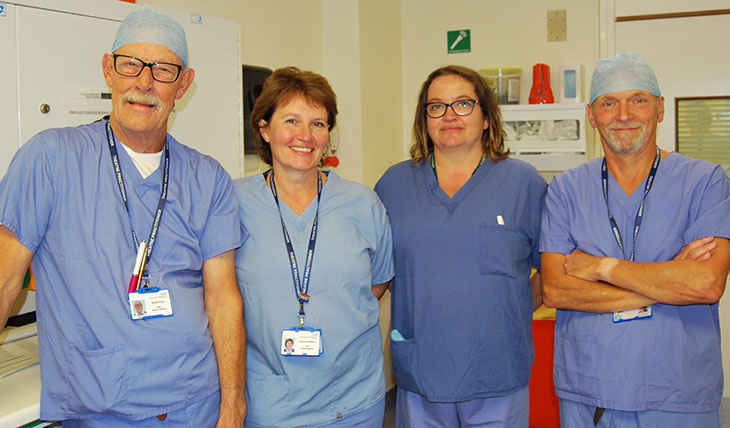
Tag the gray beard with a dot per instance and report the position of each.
(633, 147)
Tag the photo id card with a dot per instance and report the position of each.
(301, 342)
(150, 303)
(632, 314)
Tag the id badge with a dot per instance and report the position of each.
(301, 342)
(151, 303)
(632, 314)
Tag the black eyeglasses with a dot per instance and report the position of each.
(460, 107)
(130, 66)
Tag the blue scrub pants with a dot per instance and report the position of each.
(203, 413)
(371, 417)
(579, 415)
(510, 411)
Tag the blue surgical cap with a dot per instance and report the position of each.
(145, 26)
(625, 72)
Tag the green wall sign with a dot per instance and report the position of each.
(458, 41)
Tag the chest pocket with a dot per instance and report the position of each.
(504, 251)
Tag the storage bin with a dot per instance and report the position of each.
(504, 82)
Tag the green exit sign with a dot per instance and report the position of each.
(458, 41)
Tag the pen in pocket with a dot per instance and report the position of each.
(137, 273)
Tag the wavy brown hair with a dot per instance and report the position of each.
(281, 87)
(492, 137)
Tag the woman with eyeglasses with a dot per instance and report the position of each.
(465, 221)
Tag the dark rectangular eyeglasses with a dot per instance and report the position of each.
(130, 66)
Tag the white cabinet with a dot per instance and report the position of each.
(52, 55)
(52, 62)
(552, 137)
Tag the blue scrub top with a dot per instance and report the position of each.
(671, 361)
(60, 198)
(353, 252)
(461, 296)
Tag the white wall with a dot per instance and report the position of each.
(341, 66)
(355, 44)
(381, 86)
(504, 34)
(273, 34)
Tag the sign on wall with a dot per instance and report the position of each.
(458, 41)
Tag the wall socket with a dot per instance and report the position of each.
(557, 25)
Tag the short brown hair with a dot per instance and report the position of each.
(492, 137)
(279, 88)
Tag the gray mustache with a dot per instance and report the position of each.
(137, 98)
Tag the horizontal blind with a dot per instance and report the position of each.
(703, 129)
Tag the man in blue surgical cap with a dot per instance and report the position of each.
(118, 213)
(635, 255)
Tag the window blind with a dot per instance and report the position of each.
(703, 129)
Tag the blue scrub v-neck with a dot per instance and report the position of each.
(451, 203)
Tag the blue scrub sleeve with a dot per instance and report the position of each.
(713, 209)
(23, 209)
(381, 260)
(223, 225)
(555, 235)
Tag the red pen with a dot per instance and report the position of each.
(136, 274)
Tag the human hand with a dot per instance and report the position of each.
(586, 266)
(232, 418)
(235, 423)
(697, 250)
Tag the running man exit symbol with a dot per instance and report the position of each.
(458, 41)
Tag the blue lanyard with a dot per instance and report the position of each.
(300, 287)
(640, 214)
(123, 191)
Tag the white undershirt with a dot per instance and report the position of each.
(146, 163)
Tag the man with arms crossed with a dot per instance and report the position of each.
(79, 202)
(635, 255)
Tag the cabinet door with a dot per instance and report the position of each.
(59, 66)
(689, 56)
(59, 56)
(209, 118)
(8, 90)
